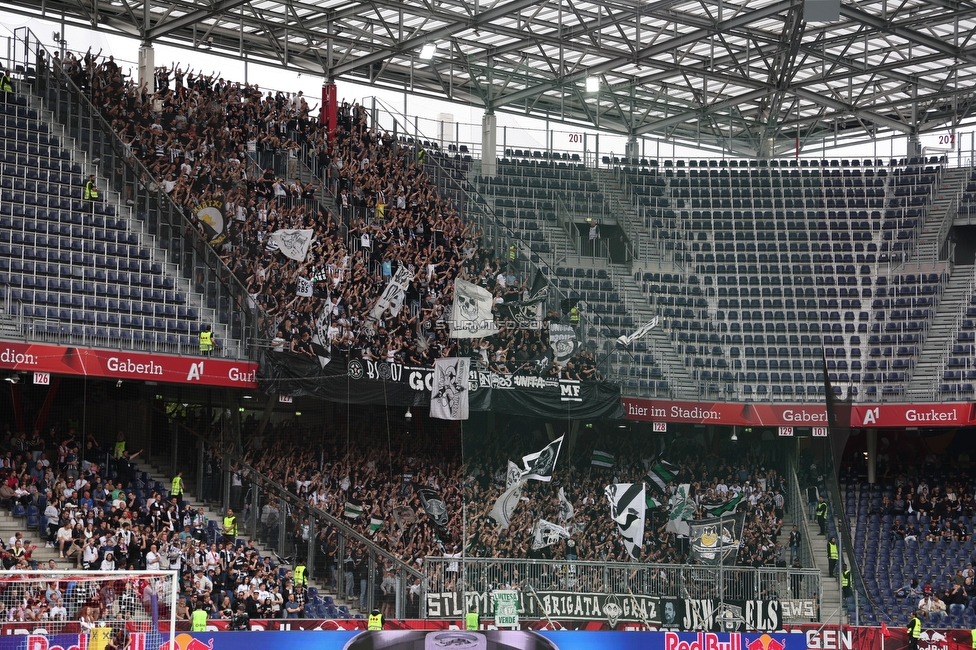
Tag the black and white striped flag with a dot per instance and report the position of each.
(627, 508)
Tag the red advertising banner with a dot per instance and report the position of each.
(949, 414)
(725, 413)
(856, 638)
(136, 366)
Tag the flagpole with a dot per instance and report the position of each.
(638, 609)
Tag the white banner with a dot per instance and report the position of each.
(547, 533)
(502, 511)
(471, 317)
(303, 287)
(293, 243)
(393, 294)
(449, 392)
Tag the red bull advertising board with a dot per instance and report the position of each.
(333, 637)
(443, 639)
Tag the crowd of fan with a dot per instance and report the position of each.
(933, 502)
(204, 139)
(98, 515)
(714, 481)
(382, 475)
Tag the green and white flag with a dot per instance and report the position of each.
(601, 459)
(653, 503)
(662, 473)
(353, 509)
(682, 509)
(723, 508)
(375, 523)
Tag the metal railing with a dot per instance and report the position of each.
(185, 244)
(473, 577)
(290, 525)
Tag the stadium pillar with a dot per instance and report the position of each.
(631, 149)
(327, 116)
(872, 444)
(147, 66)
(489, 133)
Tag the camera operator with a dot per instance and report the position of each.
(240, 621)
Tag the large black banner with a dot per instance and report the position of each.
(678, 614)
(361, 381)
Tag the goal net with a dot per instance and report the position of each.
(88, 610)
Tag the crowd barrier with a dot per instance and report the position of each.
(438, 635)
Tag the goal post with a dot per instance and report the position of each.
(93, 610)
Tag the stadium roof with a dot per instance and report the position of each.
(743, 76)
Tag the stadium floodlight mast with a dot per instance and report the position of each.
(640, 332)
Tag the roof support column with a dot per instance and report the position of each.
(489, 136)
(147, 66)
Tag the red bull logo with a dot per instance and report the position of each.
(186, 642)
(704, 641)
(40, 642)
(765, 642)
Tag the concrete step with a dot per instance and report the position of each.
(213, 512)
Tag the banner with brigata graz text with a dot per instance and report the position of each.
(685, 614)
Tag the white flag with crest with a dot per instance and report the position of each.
(449, 392)
(471, 317)
(293, 243)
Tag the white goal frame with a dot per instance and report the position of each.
(68, 575)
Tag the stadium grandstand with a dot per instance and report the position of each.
(323, 365)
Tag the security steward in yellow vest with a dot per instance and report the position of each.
(845, 583)
(375, 620)
(91, 192)
(512, 256)
(176, 488)
(914, 631)
(973, 633)
(822, 516)
(301, 575)
(206, 341)
(471, 621)
(198, 622)
(574, 316)
(6, 86)
(230, 527)
(832, 556)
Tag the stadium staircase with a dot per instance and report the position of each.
(941, 213)
(31, 529)
(161, 479)
(942, 335)
(831, 604)
(93, 277)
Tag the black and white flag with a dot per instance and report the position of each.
(542, 464)
(293, 243)
(471, 317)
(502, 511)
(303, 287)
(321, 343)
(436, 509)
(547, 533)
(513, 475)
(449, 392)
(563, 340)
(394, 293)
(529, 314)
(627, 508)
(566, 510)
